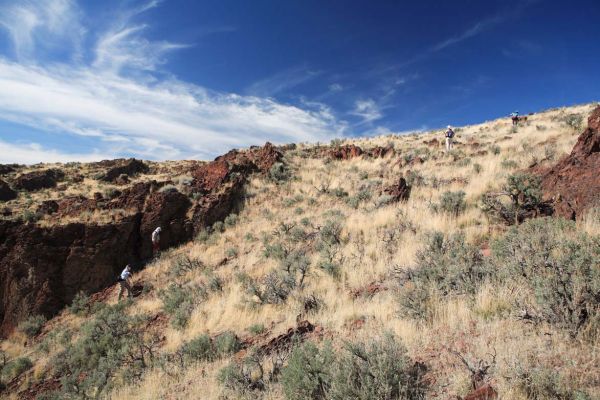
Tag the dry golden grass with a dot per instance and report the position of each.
(474, 328)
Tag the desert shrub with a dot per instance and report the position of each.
(203, 236)
(215, 284)
(508, 164)
(495, 149)
(15, 368)
(111, 348)
(558, 265)
(232, 377)
(477, 168)
(199, 349)
(453, 203)
(279, 173)
(464, 162)
(542, 383)
(574, 121)
(32, 326)
(179, 301)
(227, 343)
(363, 175)
(524, 195)
(218, 226)
(339, 192)
(308, 372)
(446, 264)
(110, 193)
(415, 178)
(298, 211)
(378, 369)
(184, 264)
(231, 220)
(329, 246)
(30, 216)
(80, 304)
(231, 252)
(168, 189)
(257, 329)
(384, 200)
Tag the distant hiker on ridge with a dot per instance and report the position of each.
(156, 241)
(124, 282)
(515, 117)
(449, 138)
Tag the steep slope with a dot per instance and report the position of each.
(385, 254)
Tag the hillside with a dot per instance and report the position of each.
(370, 268)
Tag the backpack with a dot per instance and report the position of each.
(450, 133)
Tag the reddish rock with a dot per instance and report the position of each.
(381, 152)
(42, 268)
(432, 143)
(48, 207)
(6, 169)
(37, 180)
(129, 167)
(573, 184)
(399, 191)
(486, 392)
(6, 193)
(345, 152)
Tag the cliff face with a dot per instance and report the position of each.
(573, 184)
(43, 268)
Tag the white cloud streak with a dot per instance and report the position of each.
(367, 109)
(136, 113)
(29, 153)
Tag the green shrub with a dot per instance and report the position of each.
(524, 195)
(257, 329)
(379, 369)
(453, 203)
(545, 384)
(218, 226)
(231, 220)
(446, 264)
(558, 265)
(508, 164)
(279, 173)
(231, 252)
(32, 326)
(495, 149)
(477, 168)
(179, 302)
(15, 368)
(199, 349)
(80, 304)
(308, 373)
(232, 377)
(227, 343)
(184, 264)
(574, 121)
(111, 348)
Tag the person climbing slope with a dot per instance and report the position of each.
(124, 282)
(156, 241)
(515, 117)
(449, 138)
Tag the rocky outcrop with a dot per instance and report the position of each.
(42, 268)
(38, 180)
(573, 184)
(6, 169)
(128, 167)
(345, 152)
(399, 191)
(381, 152)
(6, 193)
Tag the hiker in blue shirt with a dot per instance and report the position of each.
(124, 282)
(449, 137)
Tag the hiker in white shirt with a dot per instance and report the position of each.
(156, 241)
(124, 282)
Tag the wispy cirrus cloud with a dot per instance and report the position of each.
(282, 81)
(367, 109)
(117, 101)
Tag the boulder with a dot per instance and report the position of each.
(48, 207)
(6, 193)
(345, 152)
(6, 169)
(129, 167)
(399, 191)
(381, 152)
(486, 392)
(573, 184)
(38, 180)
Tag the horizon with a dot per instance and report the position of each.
(160, 80)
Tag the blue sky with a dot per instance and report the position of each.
(174, 79)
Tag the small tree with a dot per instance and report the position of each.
(524, 194)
